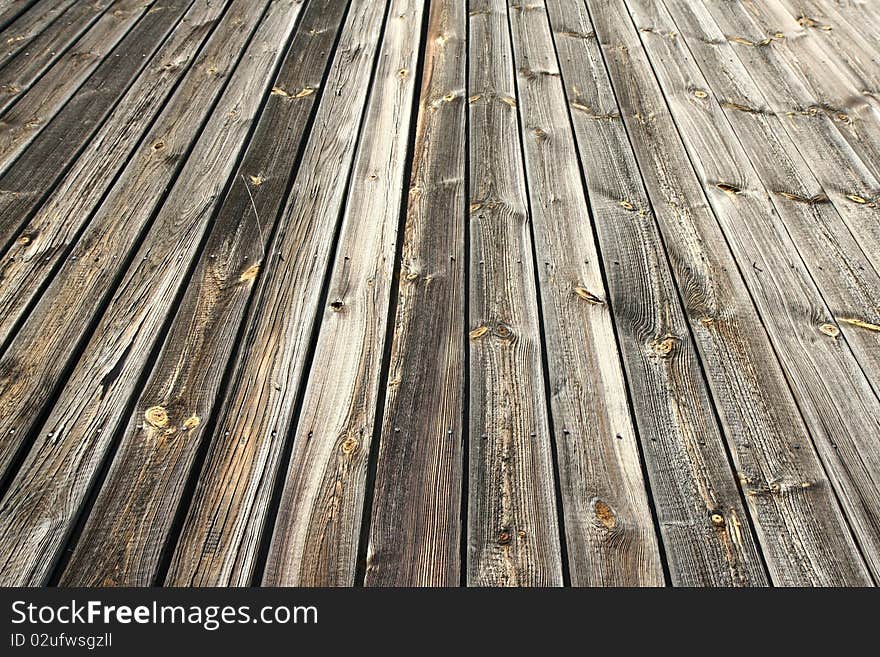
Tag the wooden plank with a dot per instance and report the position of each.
(71, 444)
(43, 240)
(839, 241)
(513, 534)
(20, 69)
(30, 26)
(91, 267)
(703, 522)
(794, 313)
(845, 277)
(224, 526)
(24, 186)
(33, 109)
(415, 526)
(150, 471)
(10, 10)
(315, 540)
(841, 64)
(611, 538)
(757, 411)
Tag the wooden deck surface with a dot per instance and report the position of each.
(440, 293)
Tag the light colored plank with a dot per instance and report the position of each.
(513, 533)
(315, 540)
(150, 469)
(32, 28)
(817, 365)
(703, 522)
(611, 538)
(224, 526)
(45, 497)
(415, 527)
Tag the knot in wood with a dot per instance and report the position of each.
(349, 445)
(503, 331)
(157, 416)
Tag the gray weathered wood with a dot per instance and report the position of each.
(703, 522)
(224, 526)
(611, 538)
(25, 185)
(29, 29)
(513, 534)
(36, 106)
(415, 526)
(818, 366)
(150, 468)
(315, 539)
(42, 241)
(71, 444)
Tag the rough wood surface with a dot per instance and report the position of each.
(73, 441)
(32, 28)
(315, 540)
(35, 362)
(150, 470)
(791, 307)
(610, 532)
(699, 509)
(34, 107)
(42, 241)
(225, 523)
(24, 186)
(415, 525)
(513, 534)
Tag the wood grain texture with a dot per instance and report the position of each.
(315, 540)
(36, 106)
(845, 277)
(415, 525)
(224, 526)
(121, 546)
(31, 28)
(43, 240)
(36, 358)
(24, 186)
(702, 519)
(610, 532)
(789, 303)
(513, 533)
(10, 10)
(73, 441)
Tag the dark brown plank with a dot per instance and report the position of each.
(149, 471)
(415, 526)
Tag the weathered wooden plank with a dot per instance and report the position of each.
(611, 538)
(415, 527)
(10, 10)
(34, 108)
(840, 240)
(844, 275)
(699, 508)
(513, 534)
(757, 411)
(224, 526)
(150, 471)
(43, 240)
(24, 186)
(30, 26)
(315, 540)
(770, 78)
(71, 444)
(20, 69)
(29, 375)
(795, 315)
